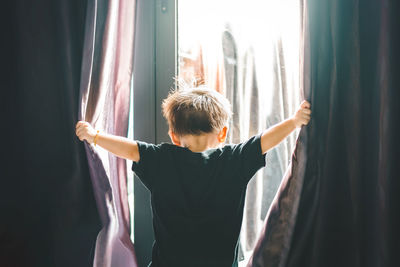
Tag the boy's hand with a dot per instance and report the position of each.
(302, 115)
(85, 131)
(274, 135)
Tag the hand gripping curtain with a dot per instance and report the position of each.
(338, 204)
(105, 93)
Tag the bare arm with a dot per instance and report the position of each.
(277, 133)
(120, 146)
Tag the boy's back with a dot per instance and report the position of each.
(197, 200)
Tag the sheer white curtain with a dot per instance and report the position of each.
(248, 51)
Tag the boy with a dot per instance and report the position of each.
(197, 186)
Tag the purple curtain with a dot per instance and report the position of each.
(105, 94)
(338, 204)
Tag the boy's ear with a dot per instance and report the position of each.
(222, 134)
(174, 138)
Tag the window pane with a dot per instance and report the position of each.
(248, 51)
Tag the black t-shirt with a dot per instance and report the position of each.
(197, 200)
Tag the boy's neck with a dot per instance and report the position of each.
(199, 143)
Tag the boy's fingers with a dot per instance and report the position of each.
(81, 126)
(305, 104)
(79, 132)
(81, 123)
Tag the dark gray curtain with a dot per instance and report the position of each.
(339, 203)
(48, 214)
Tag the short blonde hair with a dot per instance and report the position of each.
(193, 111)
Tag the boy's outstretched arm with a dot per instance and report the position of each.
(120, 146)
(277, 133)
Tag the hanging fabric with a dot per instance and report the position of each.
(338, 203)
(262, 86)
(105, 94)
(48, 212)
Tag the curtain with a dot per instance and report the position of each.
(250, 55)
(261, 85)
(105, 94)
(48, 214)
(338, 203)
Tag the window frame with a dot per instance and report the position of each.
(155, 59)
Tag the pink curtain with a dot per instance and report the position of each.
(105, 96)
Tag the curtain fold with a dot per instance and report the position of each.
(338, 203)
(105, 94)
(48, 211)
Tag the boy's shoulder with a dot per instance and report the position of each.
(159, 148)
(152, 145)
(169, 146)
(229, 149)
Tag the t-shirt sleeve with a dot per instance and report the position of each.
(148, 164)
(249, 157)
